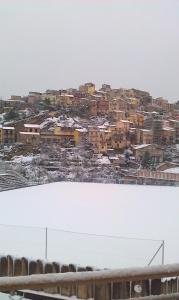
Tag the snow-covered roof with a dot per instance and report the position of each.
(172, 170)
(29, 133)
(104, 160)
(31, 125)
(146, 130)
(136, 147)
(168, 129)
(81, 129)
(61, 121)
(67, 95)
(23, 159)
(119, 111)
(125, 121)
(8, 128)
(110, 209)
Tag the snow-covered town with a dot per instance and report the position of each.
(89, 150)
(89, 135)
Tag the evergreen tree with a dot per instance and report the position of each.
(11, 115)
(146, 160)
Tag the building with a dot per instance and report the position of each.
(7, 135)
(48, 97)
(80, 136)
(137, 119)
(158, 177)
(1, 135)
(102, 106)
(65, 100)
(145, 136)
(113, 105)
(88, 88)
(117, 115)
(156, 126)
(134, 103)
(30, 135)
(10, 104)
(168, 136)
(65, 135)
(119, 141)
(98, 138)
(33, 98)
(163, 104)
(156, 154)
(48, 137)
(93, 108)
(32, 128)
(105, 88)
(124, 125)
(29, 138)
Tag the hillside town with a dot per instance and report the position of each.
(89, 135)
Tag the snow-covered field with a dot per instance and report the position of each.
(120, 210)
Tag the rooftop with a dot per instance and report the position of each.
(119, 210)
(31, 125)
(135, 147)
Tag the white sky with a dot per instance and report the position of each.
(63, 43)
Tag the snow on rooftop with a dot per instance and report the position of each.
(125, 121)
(172, 170)
(135, 147)
(168, 129)
(31, 125)
(68, 95)
(60, 122)
(8, 128)
(120, 210)
(104, 160)
(29, 133)
(23, 159)
(146, 130)
(81, 129)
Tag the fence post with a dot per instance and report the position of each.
(163, 252)
(46, 242)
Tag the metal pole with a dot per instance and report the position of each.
(163, 252)
(161, 246)
(46, 241)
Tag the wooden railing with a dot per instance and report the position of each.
(156, 282)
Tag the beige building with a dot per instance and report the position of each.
(30, 135)
(124, 125)
(88, 88)
(29, 138)
(50, 97)
(155, 152)
(98, 138)
(65, 100)
(145, 136)
(7, 135)
(168, 135)
(119, 141)
(117, 115)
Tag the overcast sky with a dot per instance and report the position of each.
(63, 43)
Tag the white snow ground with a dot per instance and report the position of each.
(122, 210)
